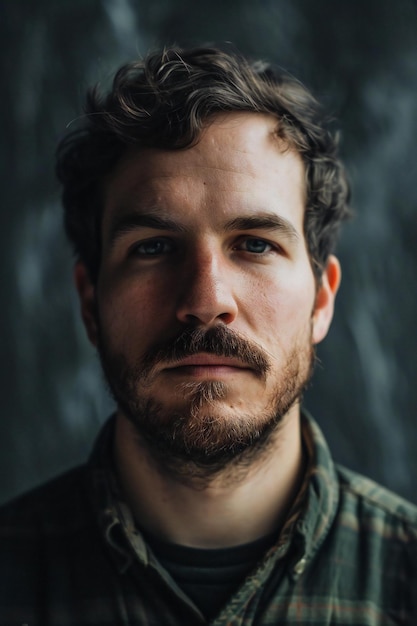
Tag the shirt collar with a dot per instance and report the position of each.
(322, 496)
(114, 517)
(308, 521)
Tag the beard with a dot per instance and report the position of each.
(198, 441)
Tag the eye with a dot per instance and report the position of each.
(152, 247)
(255, 245)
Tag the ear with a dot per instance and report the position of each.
(86, 293)
(325, 297)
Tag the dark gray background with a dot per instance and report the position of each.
(360, 57)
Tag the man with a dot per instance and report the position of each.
(203, 196)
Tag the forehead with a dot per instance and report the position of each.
(237, 159)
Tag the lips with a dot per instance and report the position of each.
(207, 366)
(208, 360)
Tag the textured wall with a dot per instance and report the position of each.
(360, 57)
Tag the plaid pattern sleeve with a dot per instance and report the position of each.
(71, 556)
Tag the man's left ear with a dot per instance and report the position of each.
(325, 297)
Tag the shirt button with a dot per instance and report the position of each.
(300, 566)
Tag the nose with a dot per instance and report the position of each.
(207, 294)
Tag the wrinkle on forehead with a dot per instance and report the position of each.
(263, 127)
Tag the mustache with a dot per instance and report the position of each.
(218, 340)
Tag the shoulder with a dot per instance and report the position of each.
(56, 504)
(371, 506)
(360, 502)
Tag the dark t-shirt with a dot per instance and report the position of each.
(210, 576)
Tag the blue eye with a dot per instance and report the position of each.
(152, 247)
(257, 246)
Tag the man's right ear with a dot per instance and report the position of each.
(87, 294)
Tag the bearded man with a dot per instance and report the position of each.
(203, 196)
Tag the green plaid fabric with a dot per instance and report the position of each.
(71, 556)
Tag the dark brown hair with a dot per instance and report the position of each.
(164, 101)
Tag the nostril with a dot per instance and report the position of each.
(208, 308)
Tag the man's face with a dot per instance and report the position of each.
(206, 303)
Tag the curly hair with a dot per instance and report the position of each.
(164, 101)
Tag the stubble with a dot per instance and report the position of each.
(200, 441)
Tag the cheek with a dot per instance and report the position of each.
(283, 308)
(133, 309)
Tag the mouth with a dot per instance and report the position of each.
(207, 365)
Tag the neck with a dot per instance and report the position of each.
(233, 508)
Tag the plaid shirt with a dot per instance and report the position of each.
(71, 556)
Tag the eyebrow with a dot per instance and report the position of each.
(264, 221)
(125, 224)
